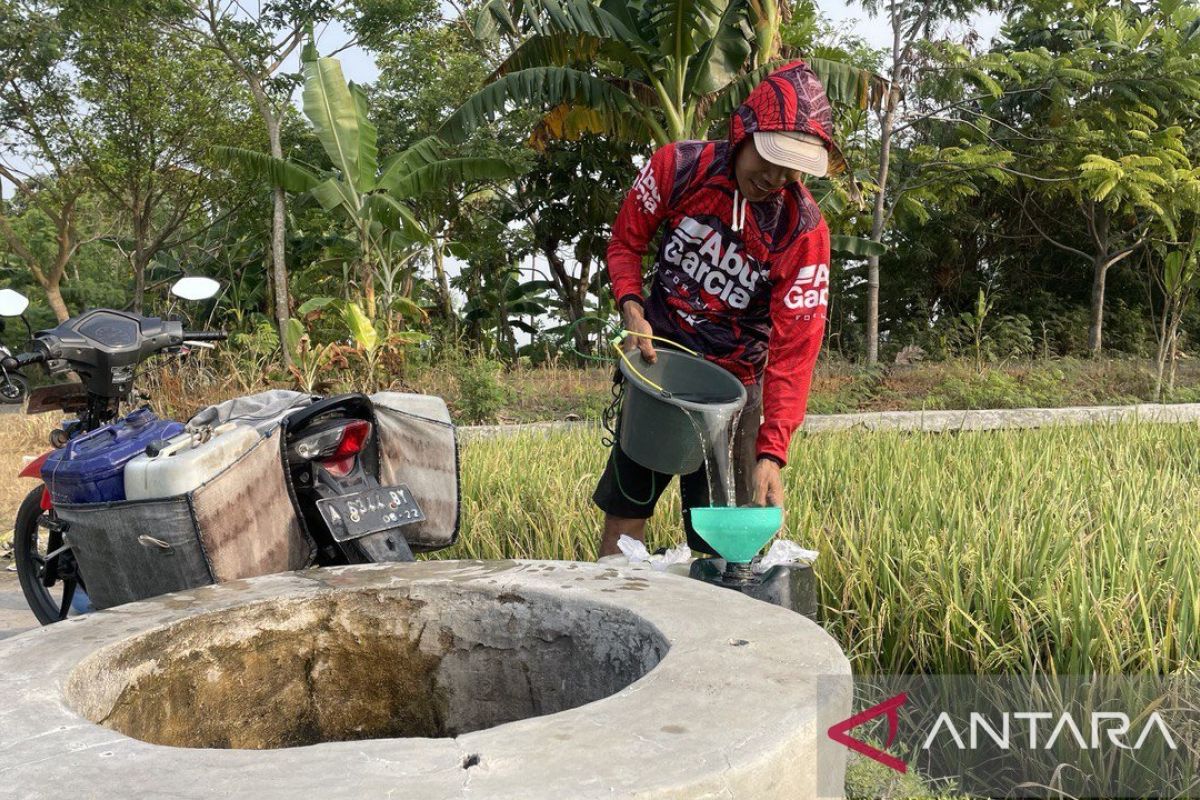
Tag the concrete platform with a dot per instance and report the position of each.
(432, 680)
(15, 616)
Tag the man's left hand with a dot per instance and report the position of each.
(768, 484)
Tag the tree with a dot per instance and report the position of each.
(1119, 85)
(153, 104)
(37, 156)
(570, 199)
(911, 23)
(657, 73)
(424, 75)
(257, 49)
(370, 197)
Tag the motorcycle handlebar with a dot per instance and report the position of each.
(205, 336)
(22, 360)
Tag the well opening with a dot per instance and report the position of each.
(350, 665)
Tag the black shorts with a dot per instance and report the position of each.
(627, 489)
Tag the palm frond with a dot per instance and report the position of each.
(333, 111)
(570, 123)
(848, 85)
(584, 17)
(726, 101)
(494, 18)
(333, 193)
(856, 246)
(394, 215)
(678, 22)
(550, 50)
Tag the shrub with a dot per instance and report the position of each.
(481, 393)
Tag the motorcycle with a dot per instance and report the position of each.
(330, 450)
(13, 386)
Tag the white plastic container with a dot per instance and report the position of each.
(186, 462)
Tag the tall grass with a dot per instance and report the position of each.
(20, 438)
(1064, 550)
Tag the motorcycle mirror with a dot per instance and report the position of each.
(195, 288)
(12, 304)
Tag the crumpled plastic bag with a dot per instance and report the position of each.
(636, 551)
(784, 551)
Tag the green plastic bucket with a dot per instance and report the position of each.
(671, 430)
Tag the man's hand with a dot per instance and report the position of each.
(768, 484)
(635, 321)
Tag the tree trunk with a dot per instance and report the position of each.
(443, 284)
(279, 273)
(51, 280)
(579, 306)
(1160, 360)
(1173, 353)
(568, 291)
(138, 260)
(55, 299)
(1100, 265)
(877, 219)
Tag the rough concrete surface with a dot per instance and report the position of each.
(15, 616)
(929, 421)
(517, 679)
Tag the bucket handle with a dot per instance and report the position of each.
(616, 343)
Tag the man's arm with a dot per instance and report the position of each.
(799, 299)
(644, 209)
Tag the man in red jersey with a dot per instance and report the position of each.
(741, 276)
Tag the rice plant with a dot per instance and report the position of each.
(1063, 550)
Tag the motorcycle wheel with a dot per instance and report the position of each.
(31, 544)
(14, 390)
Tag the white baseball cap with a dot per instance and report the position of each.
(794, 150)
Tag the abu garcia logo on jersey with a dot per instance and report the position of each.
(698, 250)
(811, 288)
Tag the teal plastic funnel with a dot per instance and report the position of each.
(737, 534)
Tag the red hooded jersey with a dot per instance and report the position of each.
(746, 284)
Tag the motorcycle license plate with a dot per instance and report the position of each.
(378, 509)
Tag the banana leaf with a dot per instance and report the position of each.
(334, 113)
(856, 246)
(542, 86)
(293, 177)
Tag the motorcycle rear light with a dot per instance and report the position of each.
(354, 436)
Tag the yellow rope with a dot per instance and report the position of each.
(616, 343)
(625, 333)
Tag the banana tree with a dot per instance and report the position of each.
(645, 70)
(369, 196)
(498, 305)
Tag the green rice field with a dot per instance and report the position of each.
(1063, 550)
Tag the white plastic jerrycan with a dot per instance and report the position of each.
(187, 461)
